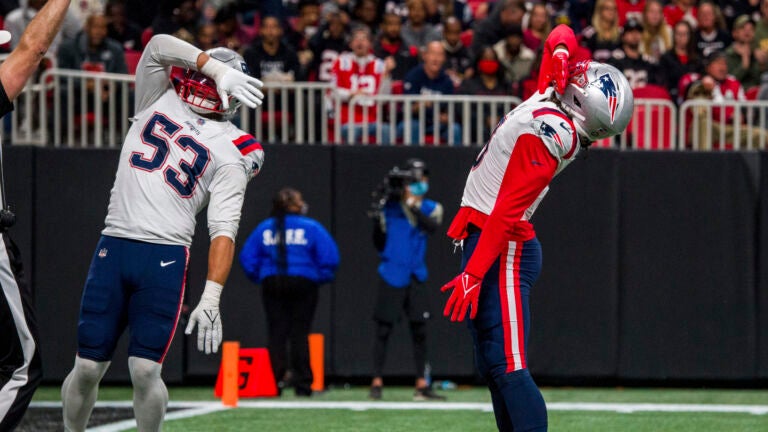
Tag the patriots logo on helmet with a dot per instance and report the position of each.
(549, 131)
(608, 87)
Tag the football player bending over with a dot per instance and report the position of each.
(180, 154)
(501, 255)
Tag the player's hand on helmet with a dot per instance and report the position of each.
(243, 87)
(466, 292)
(208, 319)
(232, 82)
(557, 75)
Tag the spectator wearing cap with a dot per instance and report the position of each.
(458, 63)
(681, 59)
(711, 34)
(719, 86)
(657, 34)
(604, 35)
(516, 58)
(743, 62)
(628, 58)
(505, 14)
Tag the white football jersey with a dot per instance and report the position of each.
(537, 116)
(173, 163)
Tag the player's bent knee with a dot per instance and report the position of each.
(144, 372)
(89, 372)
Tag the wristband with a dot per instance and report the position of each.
(212, 291)
(214, 69)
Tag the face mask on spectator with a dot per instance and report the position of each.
(419, 188)
(488, 67)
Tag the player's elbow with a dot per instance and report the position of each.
(33, 45)
(224, 230)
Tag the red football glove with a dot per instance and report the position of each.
(466, 291)
(557, 73)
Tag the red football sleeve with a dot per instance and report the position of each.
(529, 170)
(562, 34)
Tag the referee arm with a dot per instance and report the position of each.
(24, 59)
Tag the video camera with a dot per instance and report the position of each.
(392, 187)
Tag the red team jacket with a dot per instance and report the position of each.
(350, 76)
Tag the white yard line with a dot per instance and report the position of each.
(193, 409)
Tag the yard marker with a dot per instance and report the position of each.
(317, 360)
(230, 360)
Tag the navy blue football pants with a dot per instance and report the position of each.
(500, 335)
(136, 285)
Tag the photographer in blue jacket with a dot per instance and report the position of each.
(290, 255)
(403, 218)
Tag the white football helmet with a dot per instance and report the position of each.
(199, 90)
(599, 99)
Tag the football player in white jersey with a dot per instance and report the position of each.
(180, 154)
(501, 255)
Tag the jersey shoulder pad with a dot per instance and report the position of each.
(246, 143)
(556, 130)
(252, 152)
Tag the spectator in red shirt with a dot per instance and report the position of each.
(719, 86)
(355, 76)
(681, 9)
(630, 9)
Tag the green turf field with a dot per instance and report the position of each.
(446, 417)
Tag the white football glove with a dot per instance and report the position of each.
(230, 81)
(208, 319)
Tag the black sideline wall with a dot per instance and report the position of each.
(651, 261)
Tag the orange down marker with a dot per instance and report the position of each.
(317, 360)
(230, 359)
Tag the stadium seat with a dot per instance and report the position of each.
(146, 35)
(397, 87)
(752, 92)
(651, 91)
(636, 127)
(132, 60)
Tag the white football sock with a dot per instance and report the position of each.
(150, 397)
(79, 391)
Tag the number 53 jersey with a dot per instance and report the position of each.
(173, 163)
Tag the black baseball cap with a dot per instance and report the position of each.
(632, 24)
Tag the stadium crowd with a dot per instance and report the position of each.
(674, 49)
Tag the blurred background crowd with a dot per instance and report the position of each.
(673, 49)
